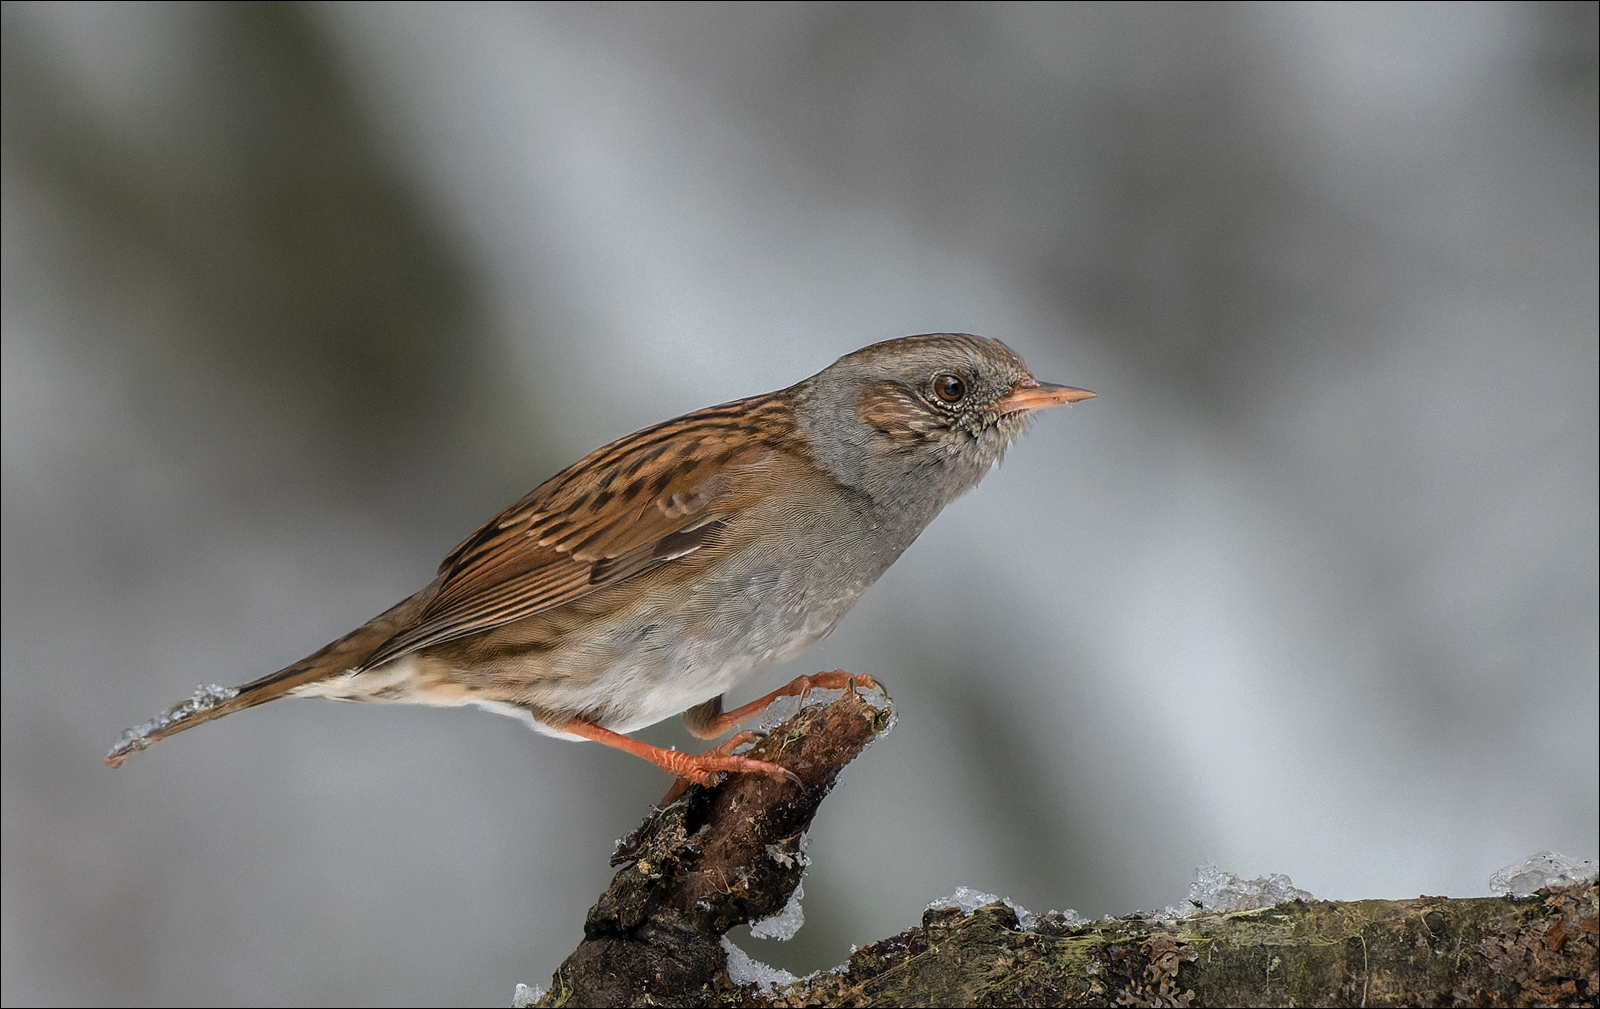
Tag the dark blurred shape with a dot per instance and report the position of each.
(1568, 50)
(263, 215)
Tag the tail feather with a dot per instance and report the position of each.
(213, 701)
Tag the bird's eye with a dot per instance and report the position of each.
(949, 388)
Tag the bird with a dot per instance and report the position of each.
(652, 575)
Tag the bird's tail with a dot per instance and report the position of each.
(214, 701)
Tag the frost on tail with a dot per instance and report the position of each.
(206, 697)
(341, 656)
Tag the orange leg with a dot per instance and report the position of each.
(702, 769)
(799, 686)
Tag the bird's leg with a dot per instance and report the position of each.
(709, 724)
(700, 768)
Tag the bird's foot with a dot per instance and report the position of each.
(799, 687)
(709, 767)
(697, 768)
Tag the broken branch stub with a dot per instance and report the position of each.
(712, 859)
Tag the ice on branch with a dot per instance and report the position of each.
(777, 853)
(969, 900)
(1216, 892)
(1213, 891)
(783, 925)
(1547, 868)
(784, 708)
(743, 970)
(966, 898)
(206, 697)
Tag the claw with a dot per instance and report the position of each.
(693, 769)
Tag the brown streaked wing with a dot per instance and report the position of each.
(627, 508)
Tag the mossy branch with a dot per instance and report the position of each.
(721, 857)
(1432, 951)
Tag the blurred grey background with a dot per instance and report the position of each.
(296, 296)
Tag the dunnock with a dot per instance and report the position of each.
(656, 572)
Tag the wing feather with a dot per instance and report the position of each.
(630, 507)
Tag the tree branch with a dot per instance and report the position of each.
(713, 859)
(1432, 951)
(716, 858)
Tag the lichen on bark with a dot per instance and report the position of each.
(1431, 951)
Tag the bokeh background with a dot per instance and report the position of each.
(297, 295)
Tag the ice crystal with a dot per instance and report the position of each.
(1547, 868)
(788, 861)
(525, 996)
(966, 898)
(969, 900)
(206, 697)
(783, 925)
(743, 970)
(1216, 892)
(1058, 921)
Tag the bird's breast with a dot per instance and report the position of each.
(781, 576)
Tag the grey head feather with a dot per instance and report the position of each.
(944, 450)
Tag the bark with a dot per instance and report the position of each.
(713, 859)
(716, 858)
(1432, 951)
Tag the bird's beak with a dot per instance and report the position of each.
(1031, 394)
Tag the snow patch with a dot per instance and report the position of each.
(783, 925)
(969, 900)
(1216, 892)
(743, 970)
(966, 898)
(1547, 868)
(1061, 921)
(1213, 892)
